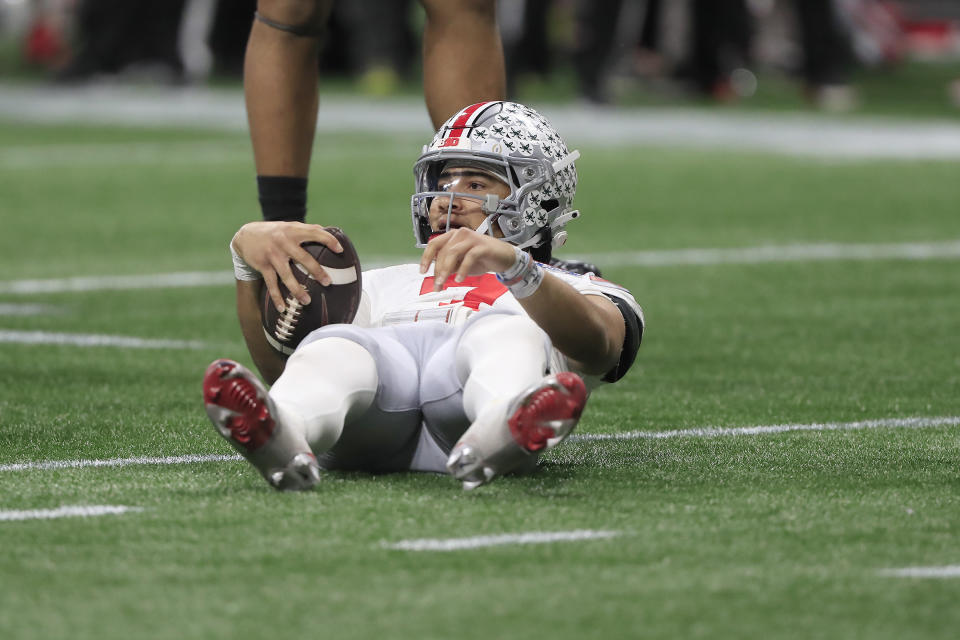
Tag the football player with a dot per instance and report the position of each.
(473, 361)
(462, 63)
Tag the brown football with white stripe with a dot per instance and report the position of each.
(334, 304)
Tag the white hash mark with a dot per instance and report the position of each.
(75, 511)
(947, 571)
(477, 542)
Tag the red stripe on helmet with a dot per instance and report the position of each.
(456, 129)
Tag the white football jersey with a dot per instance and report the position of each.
(401, 294)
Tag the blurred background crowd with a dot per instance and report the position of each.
(712, 50)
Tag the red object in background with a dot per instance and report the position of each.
(925, 35)
(44, 44)
(932, 39)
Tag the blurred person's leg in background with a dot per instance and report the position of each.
(229, 34)
(648, 58)
(153, 41)
(101, 28)
(826, 55)
(462, 56)
(384, 45)
(526, 41)
(116, 35)
(596, 29)
(721, 33)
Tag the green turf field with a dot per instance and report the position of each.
(770, 535)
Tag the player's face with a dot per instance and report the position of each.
(465, 212)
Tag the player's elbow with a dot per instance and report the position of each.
(599, 359)
(600, 352)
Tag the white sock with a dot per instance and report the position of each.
(323, 384)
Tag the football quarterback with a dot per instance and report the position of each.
(472, 362)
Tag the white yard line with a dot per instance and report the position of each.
(779, 253)
(803, 135)
(713, 432)
(95, 156)
(662, 258)
(93, 340)
(119, 283)
(173, 280)
(478, 542)
(77, 511)
(86, 155)
(13, 309)
(946, 571)
(702, 432)
(118, 462)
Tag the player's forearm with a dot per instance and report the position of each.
(586, 329)
(268, 361)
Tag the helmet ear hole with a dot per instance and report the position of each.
(549, 205)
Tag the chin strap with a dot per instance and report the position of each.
(486, 226)
(489, 207)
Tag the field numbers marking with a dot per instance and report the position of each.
(76, 511)
(478, 542)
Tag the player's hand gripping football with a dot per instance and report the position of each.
(269, 246)
(464, 252)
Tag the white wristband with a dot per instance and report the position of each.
(524, 277)
(242, 270)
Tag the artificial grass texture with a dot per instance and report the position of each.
(778, 536)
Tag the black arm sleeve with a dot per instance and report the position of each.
(631, 340)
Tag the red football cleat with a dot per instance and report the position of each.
(549, 413)
(539, 418)
(243, 413)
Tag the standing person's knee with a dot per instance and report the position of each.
(299, 17)
(441, 12)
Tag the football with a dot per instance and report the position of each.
(333, 304)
